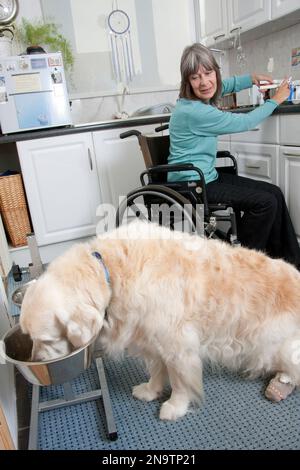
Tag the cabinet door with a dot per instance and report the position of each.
(213, 20)
(62, 188)
(267, 132)
(283, 7)
(289, 129)
(119, 162)
(289, 182)
(247, 15)
(257, 161)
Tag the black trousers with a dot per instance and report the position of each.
(265, 224)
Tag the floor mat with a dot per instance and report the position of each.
(235, 415)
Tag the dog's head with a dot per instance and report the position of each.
(65, 308)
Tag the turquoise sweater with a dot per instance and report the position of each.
(195, 127)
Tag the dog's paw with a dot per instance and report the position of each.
(144, 392)
(171, 412)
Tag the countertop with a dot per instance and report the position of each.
(120, 123)
(85, 127)
(282, 109)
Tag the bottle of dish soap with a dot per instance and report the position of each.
(292, 90)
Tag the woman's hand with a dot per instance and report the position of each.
(257, 78)
(283, 92)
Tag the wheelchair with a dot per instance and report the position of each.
(180, 205)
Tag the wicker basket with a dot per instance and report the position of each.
(14, 209)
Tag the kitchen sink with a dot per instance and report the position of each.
(163, 108)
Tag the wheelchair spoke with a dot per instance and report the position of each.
(137, 212)
(161, 205)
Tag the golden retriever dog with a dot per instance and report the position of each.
(175, 299)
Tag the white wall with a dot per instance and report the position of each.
(30, 9)
(277, 45)
(157, 35)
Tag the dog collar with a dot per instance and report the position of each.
(97, 255)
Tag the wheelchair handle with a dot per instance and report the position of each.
(126, 134)
(164, 127)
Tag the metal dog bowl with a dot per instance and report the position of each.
(18, 295)
(17, 350)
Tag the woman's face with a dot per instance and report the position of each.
(204, 83)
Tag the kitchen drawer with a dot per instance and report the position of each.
(289, 182)
(257, 161)
(267, 132)
(290, 129)
(255, 167)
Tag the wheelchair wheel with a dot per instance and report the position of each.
(162, 205)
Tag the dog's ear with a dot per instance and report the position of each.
(84, 325)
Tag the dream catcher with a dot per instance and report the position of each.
(121, 45)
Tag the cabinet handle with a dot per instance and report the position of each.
(255, 129)
(292, 154)
(90, 159)
(256, 167)
(235, 29)
(219, 36)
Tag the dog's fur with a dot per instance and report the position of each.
(175, 299)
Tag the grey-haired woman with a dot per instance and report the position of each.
(195, 125)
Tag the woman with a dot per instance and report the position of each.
(195, 125)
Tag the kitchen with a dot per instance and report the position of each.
(260, 36)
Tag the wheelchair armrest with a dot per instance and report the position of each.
(182, 167)
(174, 167)
(226, 154)
(171, 168)
(223, 154)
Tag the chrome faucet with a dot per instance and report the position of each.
(166, 109)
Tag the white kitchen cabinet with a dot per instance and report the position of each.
(257, 161)
(255, 157)
(289, 182)
(267, 132)
(62, 187)
(119, 162)
(247, 15)
(289, 129)
(283, 7)
(220, 18)
(213, 21)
